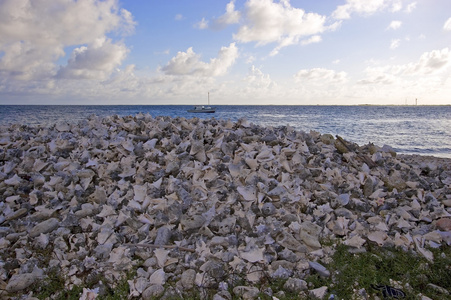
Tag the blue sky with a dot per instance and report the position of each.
(298, 52)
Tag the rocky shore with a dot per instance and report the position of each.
(197, 203)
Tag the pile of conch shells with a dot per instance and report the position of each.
(196, 202)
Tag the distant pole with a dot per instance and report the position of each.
(416, 101)
(208, 98)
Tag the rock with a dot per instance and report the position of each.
(222, 295)
(163, 236)
(395, 181)
(192, 222)
(19, 282)
(340, 147)
(322, 271)
(187, 279)
(389, 149)
(268, 209)
(343, 199)
(153, 292)
(327, 139)
(218, 297)
(368, 187)
(295, 285)
(246, 292)
(281, 273)
(17, 214)
(44, 227)
(444, 224)
(318, 293)
(158, 277)
(438, 289)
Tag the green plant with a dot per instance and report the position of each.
(386, 266)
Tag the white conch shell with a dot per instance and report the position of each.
(356, 242)
(162, 256)
(419, 243)
(235, 170)
(401, 240)
(140, 192)
(89, 294)
(107, 210)
(265, 155)
(248, 193)
(254, 255)
(252, 163)
(137, 286)
(104, 235)
(378, 236)
(15, 180)
(128, 145)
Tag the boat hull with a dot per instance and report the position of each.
(204, 111)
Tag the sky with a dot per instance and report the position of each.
(241, 52)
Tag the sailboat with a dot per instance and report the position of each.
(203, 109)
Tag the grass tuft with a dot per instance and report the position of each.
(408, 271)
(387, 266)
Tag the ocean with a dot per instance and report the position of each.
(424, 130)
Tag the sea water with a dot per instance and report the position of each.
(424, 130)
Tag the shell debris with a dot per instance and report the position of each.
(198, 200)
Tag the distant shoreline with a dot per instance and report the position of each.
(228, 105)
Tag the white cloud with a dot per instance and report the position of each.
(164, 52)
(268, 22)
(364, 7)
(250, 59)
(395, 43)
(447, 25)
(95, 62)
(256, 85)
(320, 76)
(24, 60)
(189, 63)
(394, 25)
(411, 7)
(127, 23)
(320, 85)
(230, 17)
(178, 17)
(294, 40)
(430, 64)
(34, 34)
(311, 40)
(396, 6)
(258, 79)
(377, 75)
(203, 24)
(426, 79)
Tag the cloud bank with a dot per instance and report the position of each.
(267, 22)
(35, 35)
(67, 49)
(189, 63)
(365, 7)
